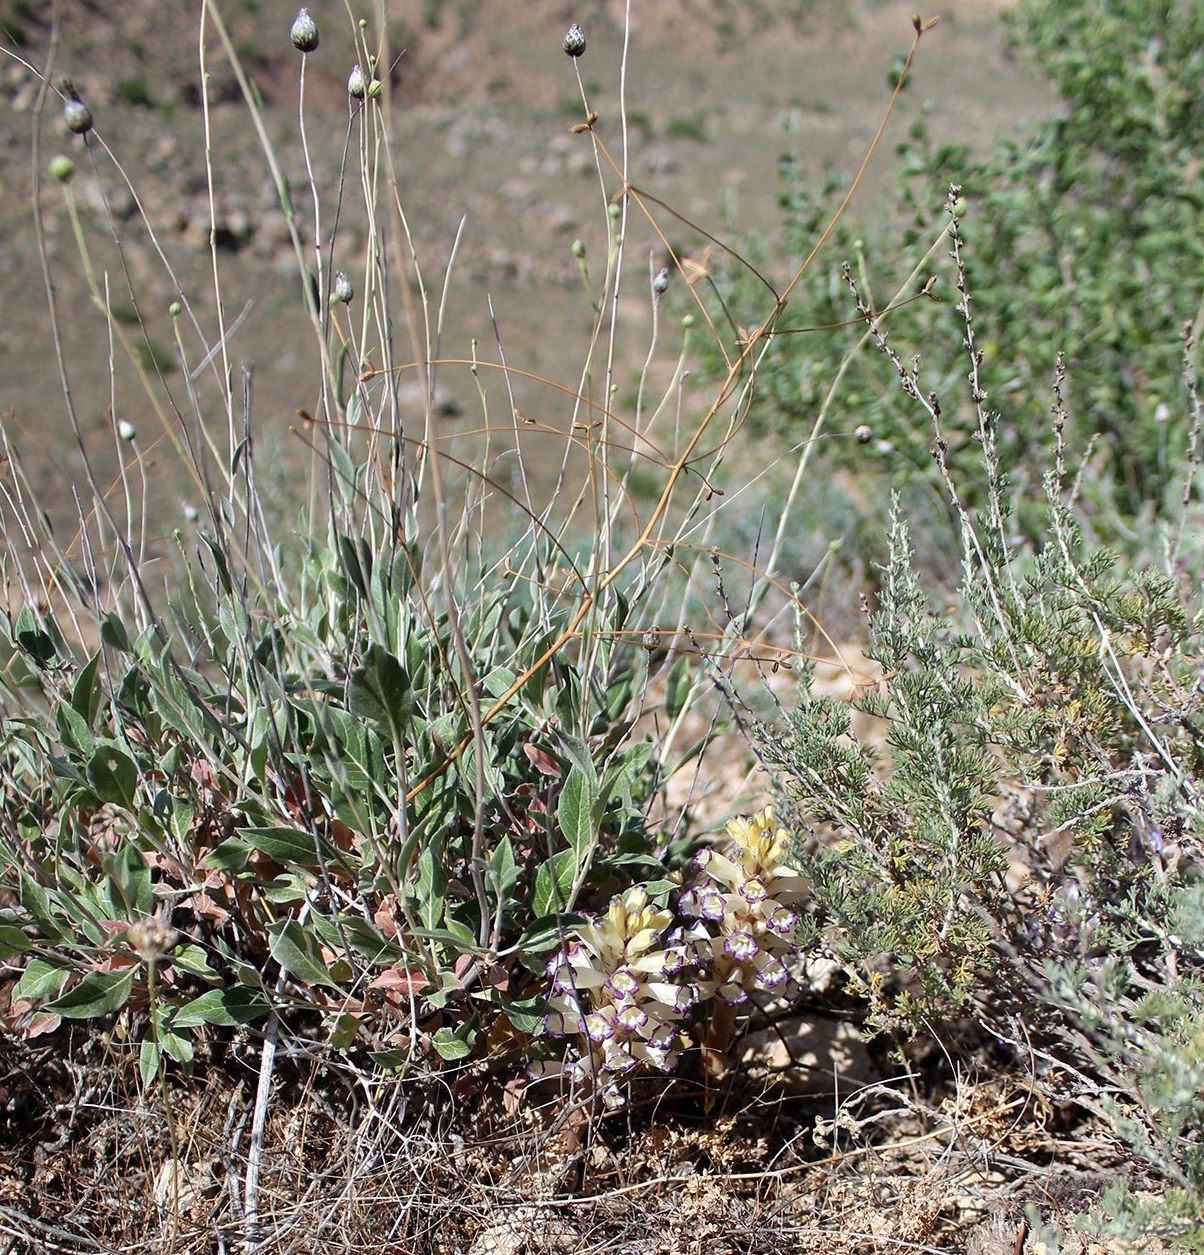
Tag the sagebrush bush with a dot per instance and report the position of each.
(1012, 836)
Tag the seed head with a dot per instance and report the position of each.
(357, 84)
(574, 41)
(150, 939)
(660, 284)
(304, 33)
(344, 289)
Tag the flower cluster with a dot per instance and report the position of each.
(744, 907)
(616, 988)
(623, 990)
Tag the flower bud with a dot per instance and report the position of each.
(344, 289)
(660, 284)
(574, 41)
(126, 430)
(76, 114)
(62, 168)
(357, 84)
(304, 33)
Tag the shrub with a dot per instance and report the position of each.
(1012, 838)
(1085, 236)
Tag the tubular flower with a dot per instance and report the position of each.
(614, 991)
(744, 900)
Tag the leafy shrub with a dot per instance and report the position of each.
(1085, 237)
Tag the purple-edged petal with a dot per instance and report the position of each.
(619, 1061)
(599, 1027)
(782, 920)
(712, 905)
(631, 1018)
(613, 1097)
(678, 998)
(624, 984)
(771, 972)
(731, 993)
(753, 890)
(741, 946)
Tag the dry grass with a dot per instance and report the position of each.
(470, 1163)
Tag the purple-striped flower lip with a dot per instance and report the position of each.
(753, 890)
(772, 972)
(623, 983)
(782, 921)
(731, 993)
(711, 905)
(619, 1061)
(741, 946)
(672, 962)
(662, 1038)
(599, 1027)
(632, 1018)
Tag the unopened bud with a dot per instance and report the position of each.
(660, 284)
(126, 430)
(76, 114)
(62, 168)
(344, 289)
(357, 84)
(574, 41)
(304, 33)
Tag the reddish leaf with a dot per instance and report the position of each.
(542, 761)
